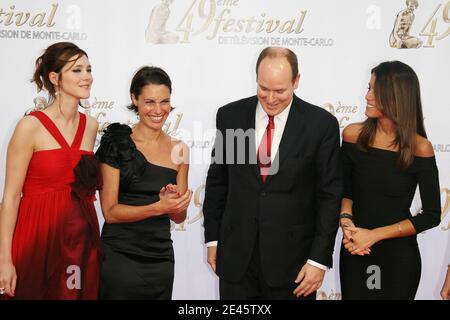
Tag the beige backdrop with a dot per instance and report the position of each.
(209, 48)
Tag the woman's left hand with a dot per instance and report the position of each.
(362, 239)
(171, 190)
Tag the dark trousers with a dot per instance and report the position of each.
(252, 286)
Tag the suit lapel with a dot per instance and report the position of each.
(291, 134)
(249, 123)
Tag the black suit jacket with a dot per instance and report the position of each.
(294, 213)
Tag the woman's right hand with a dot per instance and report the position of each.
(8, 278)
(173, 202)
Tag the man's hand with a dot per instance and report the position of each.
(309, 279)
(212, 253)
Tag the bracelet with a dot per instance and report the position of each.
(346, 215)
(399, 227)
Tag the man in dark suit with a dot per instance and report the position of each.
(273, 189)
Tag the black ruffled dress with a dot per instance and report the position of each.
(138, 256)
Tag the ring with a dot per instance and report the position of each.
(2, 291)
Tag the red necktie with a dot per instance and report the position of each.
(265, 150)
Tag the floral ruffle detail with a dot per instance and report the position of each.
(87, 177)
(87, 181)
(118, 150)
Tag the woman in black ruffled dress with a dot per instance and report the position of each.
(145, 174)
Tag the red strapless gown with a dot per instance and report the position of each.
(56, 247)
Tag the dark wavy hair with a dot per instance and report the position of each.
(397, 93)
(145, 76)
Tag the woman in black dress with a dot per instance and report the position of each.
(145, 174)
(385, 158)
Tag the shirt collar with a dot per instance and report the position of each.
(262, 115)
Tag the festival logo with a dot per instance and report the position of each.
(345, 114)
(324, 295)
(47, 23)
(156, 30)
(223, 21)
(441, 147)
(402, 37)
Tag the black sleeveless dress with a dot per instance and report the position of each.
(138, 256)
(382, 195)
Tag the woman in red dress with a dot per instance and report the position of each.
(49, 233)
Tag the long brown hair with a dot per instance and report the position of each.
(54, 59)
(397, 93)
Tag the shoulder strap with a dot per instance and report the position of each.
(76, 144)
(51, 128)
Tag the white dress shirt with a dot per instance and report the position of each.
(261, 121)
